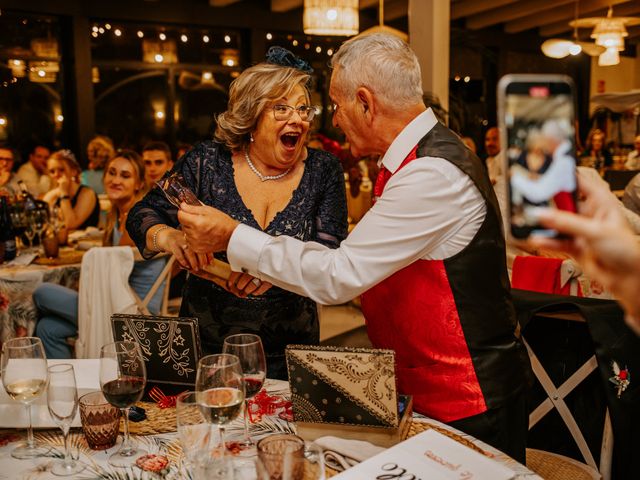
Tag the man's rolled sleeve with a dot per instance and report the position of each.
(245, 248)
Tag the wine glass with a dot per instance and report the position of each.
(123, 377)
(40, 218)
(248, 348)
(176, 190)
(24, 375)
(62, 400)
(220, 390)
(30, 229)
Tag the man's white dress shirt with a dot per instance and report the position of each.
(429, 210)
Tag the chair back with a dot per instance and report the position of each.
(618, 179)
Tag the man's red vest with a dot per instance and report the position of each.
(451, 322)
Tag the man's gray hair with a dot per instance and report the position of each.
(558, 128)
(384, 64)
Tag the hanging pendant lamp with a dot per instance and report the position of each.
(331, 17)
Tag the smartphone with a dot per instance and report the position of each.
(537, 132)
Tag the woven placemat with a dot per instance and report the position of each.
(159, 420)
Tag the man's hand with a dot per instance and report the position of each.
(206, 229)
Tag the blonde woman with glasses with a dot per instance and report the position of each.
(258, 170)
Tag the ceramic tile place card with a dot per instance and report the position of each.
(428, 456)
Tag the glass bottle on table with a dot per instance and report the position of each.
(7, 232)
(123, 377)
(248, 348)
(62, 401)
(25, 376)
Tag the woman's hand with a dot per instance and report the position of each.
(173, 241)
(64, 186)
(243, 284)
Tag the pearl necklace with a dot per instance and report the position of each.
(264, 178)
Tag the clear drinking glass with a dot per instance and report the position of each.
(62, 400)
(220, 390)
(123, 377)
(24, 375)
(194, 431)
(177, 191)
(248, 348)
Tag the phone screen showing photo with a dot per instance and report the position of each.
(540, 152)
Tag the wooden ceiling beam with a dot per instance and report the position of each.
(396, 9)
(370, 3)
(465, 8)
(221, 3)
(512, 12)
(285, 5)
(622, 9)
(564, 13)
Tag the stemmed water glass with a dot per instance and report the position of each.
(220, 390)
(123, 377)
(62, 400)
(24, 375)
(248, 348)
(30, 229)
(40, 217)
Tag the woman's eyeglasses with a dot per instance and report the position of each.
(284, 112)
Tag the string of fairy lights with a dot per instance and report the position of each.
(300, 42)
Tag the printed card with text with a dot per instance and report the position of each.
(428, 456)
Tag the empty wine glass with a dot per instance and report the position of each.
(40, 219)
(62, 400)
(30, 229)
(24, 375)
(248, 348)
(123, 377)
(220, 390)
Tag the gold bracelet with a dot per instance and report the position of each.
(154, 238)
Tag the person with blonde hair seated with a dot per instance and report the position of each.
(78, 203)
(99, 151)
(58, 305)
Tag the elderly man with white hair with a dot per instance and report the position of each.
(428, 257)
(559, 181)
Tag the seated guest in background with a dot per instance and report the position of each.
(58, 305)
(631, 197)
(8, 179)
(157, 161)
(633, 159)
(428, 257)
(494, 159)
(34, 172)
(259, 171)
(78, 203)
(99, 151)
(595, 155)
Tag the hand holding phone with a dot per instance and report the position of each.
(537, 127)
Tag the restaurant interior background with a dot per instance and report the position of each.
(138, 70)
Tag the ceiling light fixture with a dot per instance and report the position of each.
(609, 33)
(331, 17)
(382, 28)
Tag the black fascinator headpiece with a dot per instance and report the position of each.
(283, 57)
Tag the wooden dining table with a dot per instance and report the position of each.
(167, 443)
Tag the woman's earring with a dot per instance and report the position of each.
(251, 138)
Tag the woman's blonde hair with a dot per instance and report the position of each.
(138, 165)
(250, 94)
(69, 159)
(100, 150)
